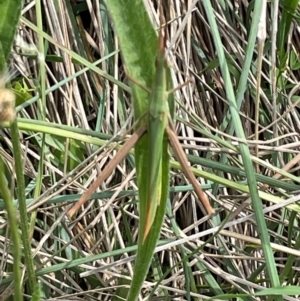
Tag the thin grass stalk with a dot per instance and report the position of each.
(42, 106)
(22, 205)
(261, 38)
(14, 232)
(274, 67)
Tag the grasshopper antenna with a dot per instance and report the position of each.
(162, 36)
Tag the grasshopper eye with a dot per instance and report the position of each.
(7, 105)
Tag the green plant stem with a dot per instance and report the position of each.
(22, 205)
(42, 114)
(15, 236)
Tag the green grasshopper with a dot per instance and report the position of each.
(159, 124)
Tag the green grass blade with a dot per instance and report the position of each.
(289, 8)
(10, 14)
(256, 201)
